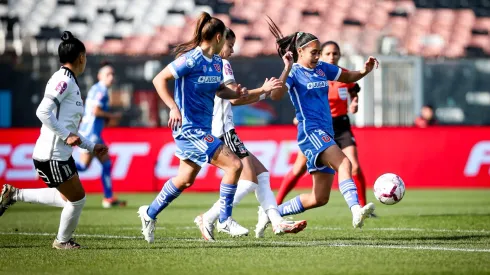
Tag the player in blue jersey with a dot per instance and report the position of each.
(93, 121)
(307, 83)
(198, 78)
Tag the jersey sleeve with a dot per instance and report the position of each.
(58, 88)
(100, 98)
(182, 66)
(290, 80)
(332, 72)
(228, 76)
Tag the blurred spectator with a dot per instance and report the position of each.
(426, 117)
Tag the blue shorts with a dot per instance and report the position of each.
(196, 145)
(93, 137)
(312, 145)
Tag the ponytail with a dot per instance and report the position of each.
(291, 42)
(206, 28)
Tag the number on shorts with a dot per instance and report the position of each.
(67, 170)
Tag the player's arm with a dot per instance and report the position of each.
(258, 94)
(354, 89)
(85, 143)
(235, 92)
(98, 112)
(52, 99)
(277, 94)
(353, 76)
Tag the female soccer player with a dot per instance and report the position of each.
(307, 83)
(96, 112)
(198, 78)
(255, 176)
(60, 112)
(337, 98)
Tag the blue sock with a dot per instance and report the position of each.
(349, 191)
(106, 179)
(291, 207)
(165, 197)
(226, 196)
(80, 167)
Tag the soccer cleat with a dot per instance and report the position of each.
(289, 227)
(231, 227)
(7, 197)
(147, 224)
(206, 227)
(262, 223)
(113, 202)
(361, 214)
(71, 244)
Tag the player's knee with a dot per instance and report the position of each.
(321, 200)
(236, 166)
(345, 166)
(356, 169)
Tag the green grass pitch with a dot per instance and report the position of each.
(429, 232)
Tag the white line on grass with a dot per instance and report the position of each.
(342, 229)
(277, 243)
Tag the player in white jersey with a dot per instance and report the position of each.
(60, 112)
(255, 176)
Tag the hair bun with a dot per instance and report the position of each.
(66, 36)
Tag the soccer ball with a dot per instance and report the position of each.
(389, 189)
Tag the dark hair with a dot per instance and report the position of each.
(291, 42)
(70, 48)
(105, 63)
(229, 34)
(206, 28)
(330, 43)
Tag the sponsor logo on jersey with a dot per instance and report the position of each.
(319, 84)
(209, 79)
(217, 67)
(61, 87)
(228, 70)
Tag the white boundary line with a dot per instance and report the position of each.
(278, 243)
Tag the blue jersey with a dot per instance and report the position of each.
(98, 96)
(197, 80)
(308, 90)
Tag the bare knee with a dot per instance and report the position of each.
(345, 166)
(356, 169)
(235, 166)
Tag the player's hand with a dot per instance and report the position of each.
(271, 84)
(370, 64)
(288, 60)
(295, 121)
(241, 91)
(175, 119)
(354, 105)
(73, 140)
(100, 150)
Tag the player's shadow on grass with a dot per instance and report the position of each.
(455, 215)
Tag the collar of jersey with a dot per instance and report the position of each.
(306, 68)
(205, 57)
(71, 72)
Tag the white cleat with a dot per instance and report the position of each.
(231, 227)
(206, 227)
(360, 214)
(262, 223)
(289, 227)
(147, 224)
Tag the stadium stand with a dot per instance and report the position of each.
(431, 28)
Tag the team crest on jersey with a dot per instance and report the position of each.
(190, 63)
(217, 67)
(228, 70)
(61, 87)
(320, 72)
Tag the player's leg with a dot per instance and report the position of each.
(109, 199)
(268, 210)
(186, 176)
(338, 160)
(357, 175)
(74, 194)
(225, 159)
(85, 159)
(292, 177)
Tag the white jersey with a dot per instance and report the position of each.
(222, 113)
(60, 111)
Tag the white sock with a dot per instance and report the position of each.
(47, 196)
(266, 198)
(244, 188)
(69, 219)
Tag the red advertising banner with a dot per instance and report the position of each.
(143, 159)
